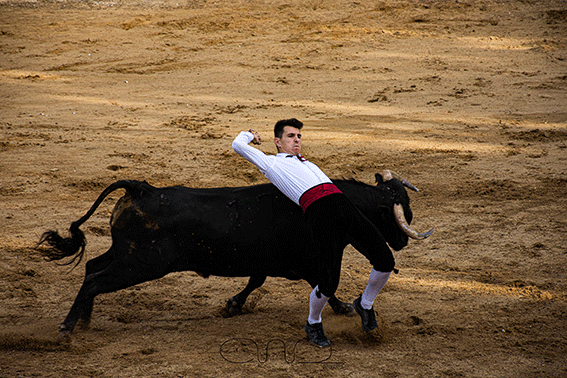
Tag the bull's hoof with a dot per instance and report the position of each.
(233, 308)
(342, 308)
(84, 324)
(64, 333)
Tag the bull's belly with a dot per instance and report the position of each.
(229, 260)
(235, 255)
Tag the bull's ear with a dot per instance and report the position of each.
(379, 179)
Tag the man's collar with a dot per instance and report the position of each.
(298, 156)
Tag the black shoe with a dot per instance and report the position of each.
(368, 318)
(316, 335)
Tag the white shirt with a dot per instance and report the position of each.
(290, 175)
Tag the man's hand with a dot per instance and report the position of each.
(257, 139)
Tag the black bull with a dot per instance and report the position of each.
(250, 231)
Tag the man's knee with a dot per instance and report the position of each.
(328, 289)
(385, 265)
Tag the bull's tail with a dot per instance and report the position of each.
(60, 247)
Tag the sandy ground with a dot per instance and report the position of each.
(466, 99)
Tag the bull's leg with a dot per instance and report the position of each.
(234, 304)
(93, 266)
(114, 277)
(341, 308)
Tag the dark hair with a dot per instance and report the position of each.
(278, 129)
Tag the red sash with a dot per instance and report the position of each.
(315, 193)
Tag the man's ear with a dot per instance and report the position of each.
(277, 142)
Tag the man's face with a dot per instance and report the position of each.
(290, 142)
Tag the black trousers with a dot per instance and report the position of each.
(335, 221)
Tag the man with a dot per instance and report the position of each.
(331, 217)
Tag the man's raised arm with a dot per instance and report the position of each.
(241, 146)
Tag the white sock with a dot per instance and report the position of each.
(376, 281)
(316, 306)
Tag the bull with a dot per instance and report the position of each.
(228, 232)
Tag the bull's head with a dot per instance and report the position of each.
(399, 212)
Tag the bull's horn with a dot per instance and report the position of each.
(388, 175)
(403, 224)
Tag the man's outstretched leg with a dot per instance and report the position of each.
(363, 304)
